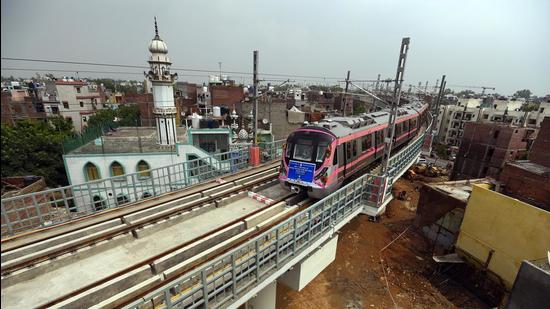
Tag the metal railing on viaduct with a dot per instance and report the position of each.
(54, 206)
(234, 277)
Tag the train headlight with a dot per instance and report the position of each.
(322, 176)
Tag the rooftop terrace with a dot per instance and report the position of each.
(129, 140)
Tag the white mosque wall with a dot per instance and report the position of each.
(169, 172)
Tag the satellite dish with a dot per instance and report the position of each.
(265, 121)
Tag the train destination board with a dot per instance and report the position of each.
(301, 171)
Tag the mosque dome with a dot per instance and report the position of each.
(158, 46)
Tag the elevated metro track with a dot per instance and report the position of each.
(215, 244)
(159, 235)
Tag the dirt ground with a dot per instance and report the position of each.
(361, 274)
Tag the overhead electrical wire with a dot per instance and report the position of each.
(174, 69)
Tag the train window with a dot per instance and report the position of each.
(341, 155)
(302, 151)
(348, 151)
(321, 149)
(335, 158)
(354, 148)
(364, 144)
(369, 141)
(288, 150)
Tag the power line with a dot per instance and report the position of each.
(86, 71)
(36, 70)
(146, 67)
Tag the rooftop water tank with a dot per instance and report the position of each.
(217, 111)
(195, 121)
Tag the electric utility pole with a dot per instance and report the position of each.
(397, 97)
(344, 97)
(255, 107)
(435, 129)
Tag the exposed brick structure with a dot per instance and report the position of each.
(26, 109)
(145, 104)
(226, 95)
(527, 181)
(486, 147)
(540, 152)
(530, 180)
(25, 215)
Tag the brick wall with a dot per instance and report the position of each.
(226, 95)
(526, 185)
(145, 104)
(24, 109)
(486, 147)
(540, 152)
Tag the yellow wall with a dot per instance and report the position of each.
(516, 231)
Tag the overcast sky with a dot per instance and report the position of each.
(504, 44)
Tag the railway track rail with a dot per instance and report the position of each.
(70, 239)
(44, 234)
(149, 262)
(9, 266)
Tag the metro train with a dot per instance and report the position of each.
(319, 157)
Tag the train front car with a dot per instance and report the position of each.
(307, 162)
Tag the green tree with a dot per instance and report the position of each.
(127, 115)
(465, 93)
(358, 109)
(61, 124)
(529, 107)
(34, 148)
(525, 93)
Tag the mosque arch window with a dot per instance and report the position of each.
(117, 169)
(99, 203)
(91, 172)
(143, 169)
(122, 198)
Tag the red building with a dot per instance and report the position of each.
(30, 108)
(486, 147)
(226, 95)
(529, 180)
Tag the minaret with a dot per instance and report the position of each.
(163, 92)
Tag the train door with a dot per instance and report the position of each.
(341, 161)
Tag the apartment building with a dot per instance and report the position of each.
(79, 100)
(452, 118)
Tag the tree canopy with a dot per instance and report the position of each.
(525, 93)
(34, 148)
(127, 115)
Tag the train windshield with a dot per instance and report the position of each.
(321, 149)
(308, 146)
(303, 150)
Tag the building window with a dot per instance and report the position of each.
(77, 89)
(91, 172)
(143, 169)
(65, 105)
(84, 119)
(81, 104)
(122, 198)
(99, 203)
(146, 194)
(542, 109)
(117, 169)
(495, 135)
